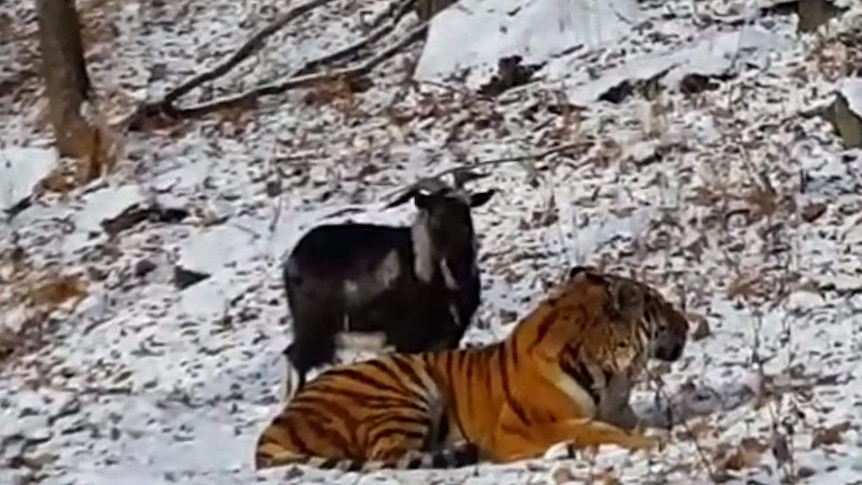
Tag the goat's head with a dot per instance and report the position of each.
(443, 231)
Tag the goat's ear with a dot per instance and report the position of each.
(481, 198)
(407, 195)
(421, 200)
(627, 298)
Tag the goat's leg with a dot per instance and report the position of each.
(314, 340)
(422, 329)
(308, 352)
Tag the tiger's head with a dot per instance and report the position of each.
(591, 320)
(660, 327)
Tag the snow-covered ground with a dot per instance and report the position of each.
(694, 163)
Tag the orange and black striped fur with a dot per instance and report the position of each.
(611, 391)
(505, 402)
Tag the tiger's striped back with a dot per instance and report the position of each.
(347, 417)
(446, 409)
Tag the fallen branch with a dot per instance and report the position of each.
(302, 77)
(248, 49)
(397, 11)
(295, 82)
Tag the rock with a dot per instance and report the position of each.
(273, 187)
(144, 267)
(209, 251)
(814, 13)
(426, 9)
(693, 83)
(21, 169)
(510, 74)
(183, 278)
(701, 329)
(845, 113)
(136, 214)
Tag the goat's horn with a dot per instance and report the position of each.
(405, 195)
(431, 184)
(460, 177)
(427, 183)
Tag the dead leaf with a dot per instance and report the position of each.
(744, 286)
(813, 211)
(54, 292)
(563, 474)
(293, 472)
(701, 329)
(705, 197)
(829, 436)
(695, 431)
(607, 477)
(746, 455)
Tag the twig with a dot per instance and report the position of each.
(396, 10)
(698, 448)
(302, 81)
(249, 48)
(520, 158)
(501, 161)
(302, 77)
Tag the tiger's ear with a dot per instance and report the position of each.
(627, 299)
(580, 272)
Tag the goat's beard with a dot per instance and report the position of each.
(423, 254)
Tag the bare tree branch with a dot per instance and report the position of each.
(294, 82)
(397, 10)
(519, 159)
(249, 48)
(302, 77)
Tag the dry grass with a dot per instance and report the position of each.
(29, 299)
(342, 94)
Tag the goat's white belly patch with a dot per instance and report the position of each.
(361, 341)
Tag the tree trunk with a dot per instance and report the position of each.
(427, 9)
(65, 73)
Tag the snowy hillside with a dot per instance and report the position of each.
(142, 316)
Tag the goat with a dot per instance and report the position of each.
(415, 288)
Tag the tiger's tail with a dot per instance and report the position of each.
(456, 456)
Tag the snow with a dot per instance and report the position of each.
(559, 32)
(538, 30)
(851, 89)
(147, 383)
(21, 168)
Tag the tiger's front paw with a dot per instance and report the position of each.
(643, 442)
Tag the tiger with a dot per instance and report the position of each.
(612, 391)
(503, 402)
